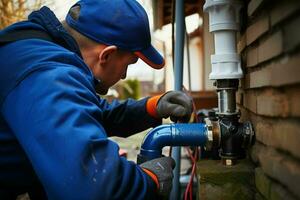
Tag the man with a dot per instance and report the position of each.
(54, 127)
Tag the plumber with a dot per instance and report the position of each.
(54, 128)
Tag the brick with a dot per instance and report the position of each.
(283, 134)
(250, 101)
(282, 11)
(272, 103)
(279, 133)
(294, 97)
(263, 133)
(270, 47)
(254, 152)
(282, 102)
(270, 189)
(253, 6)
(291, 30)
(282, 168)
(241, 43)
(246, 115)
(259, 78)
(286, 136)
(262, 183)
(252, 57)
(239, 97)
(257, 29)
(281, 72)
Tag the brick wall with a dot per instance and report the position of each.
(269, 95)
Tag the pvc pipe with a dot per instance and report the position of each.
(178, 70)
(225, 42)
(223, 23)
(173, 135)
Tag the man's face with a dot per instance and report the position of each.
(114, 69)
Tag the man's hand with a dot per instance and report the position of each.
(174, 104)
(161, 172)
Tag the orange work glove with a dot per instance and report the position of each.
(174, 104)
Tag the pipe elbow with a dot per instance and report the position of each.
(157, 137)
(173, 135)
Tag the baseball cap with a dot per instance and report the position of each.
(123, 23)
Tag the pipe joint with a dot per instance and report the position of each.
(225, 133)
(236, 137)
(173, 135)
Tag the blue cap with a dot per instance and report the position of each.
(123, 23)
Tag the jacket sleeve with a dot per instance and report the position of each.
(53, 113)
(126, 118)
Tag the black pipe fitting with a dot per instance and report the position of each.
(235, 138)
(226, 83)
(231, 137)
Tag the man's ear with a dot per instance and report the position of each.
(106, 53)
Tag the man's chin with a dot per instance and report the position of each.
(103, 92)
(100, 89)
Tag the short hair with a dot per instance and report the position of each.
(82, 40)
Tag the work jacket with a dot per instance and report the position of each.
(54, 128)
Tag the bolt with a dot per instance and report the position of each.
(228, 162)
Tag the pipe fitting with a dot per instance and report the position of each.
(226, 89)
(236, 137)
(225, 133)
(224, 23)
(223, 14)
(214, 134)
(173, 135)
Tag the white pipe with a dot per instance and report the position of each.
(224, 41)
(223, 23)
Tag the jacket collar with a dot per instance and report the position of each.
(47, 19)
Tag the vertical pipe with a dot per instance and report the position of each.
(187, 44)
(178, 70)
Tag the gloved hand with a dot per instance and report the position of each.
(161, 171)
(174, 104)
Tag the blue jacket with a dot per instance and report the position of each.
(53, 126)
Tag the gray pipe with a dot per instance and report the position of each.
(178, 70)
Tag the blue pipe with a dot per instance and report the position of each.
(178, 70)
(172, 135)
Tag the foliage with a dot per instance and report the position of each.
(12, 11)
(130, 89)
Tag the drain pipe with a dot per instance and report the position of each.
(226, 71)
